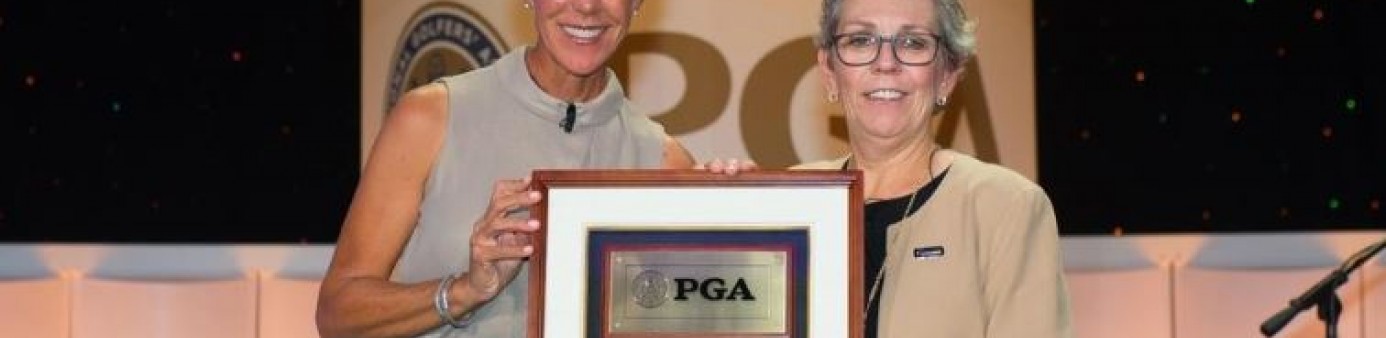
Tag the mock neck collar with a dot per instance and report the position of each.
(514, 74)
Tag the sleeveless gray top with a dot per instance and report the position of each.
(502, 126)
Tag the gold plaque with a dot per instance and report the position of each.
(711, 290)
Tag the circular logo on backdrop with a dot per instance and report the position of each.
(649, 289)
(441, 39)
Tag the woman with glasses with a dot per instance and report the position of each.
(955, 247)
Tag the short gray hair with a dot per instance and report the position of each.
(954, 29)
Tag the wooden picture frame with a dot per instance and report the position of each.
(813, 217)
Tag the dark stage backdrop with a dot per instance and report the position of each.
(144, 121)
(1228, 115)
(177, 121)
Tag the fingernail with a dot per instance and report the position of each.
(529, 249)
(534, 195)
(533, 224)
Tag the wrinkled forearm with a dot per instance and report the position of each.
(370, 307)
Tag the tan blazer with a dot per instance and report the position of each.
(1000, 274)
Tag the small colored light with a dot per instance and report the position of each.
(1140, 76)
(1334, 203)
(1118, 231)
(1250, 2)
(1318, 14)
(1236, 116)
(115, 106)
(30, 80)
(1207, 215)
(1327, 132)
(1376, 205)
(1280, 52)
(1351, 104)
(236, 56)
(1085, 134)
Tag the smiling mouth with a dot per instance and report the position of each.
(583, 32)
(885, 95)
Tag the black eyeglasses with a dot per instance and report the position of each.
(860, 49)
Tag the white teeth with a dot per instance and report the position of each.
(885, 94)
(583, 32)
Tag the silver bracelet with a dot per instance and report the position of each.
(440, 303)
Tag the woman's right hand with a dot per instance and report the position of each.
(728, 166)
(500, 240)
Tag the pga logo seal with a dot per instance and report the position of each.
(650, 289)
(441, 39)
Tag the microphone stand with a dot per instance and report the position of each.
(1322, 295)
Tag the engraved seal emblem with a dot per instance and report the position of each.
(649, 289)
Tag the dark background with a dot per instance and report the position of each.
(178, 121)
(146, 121)
(1195, 115)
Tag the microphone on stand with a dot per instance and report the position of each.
(568, 119)
(1323, 296)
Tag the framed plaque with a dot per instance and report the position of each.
(678, 253)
